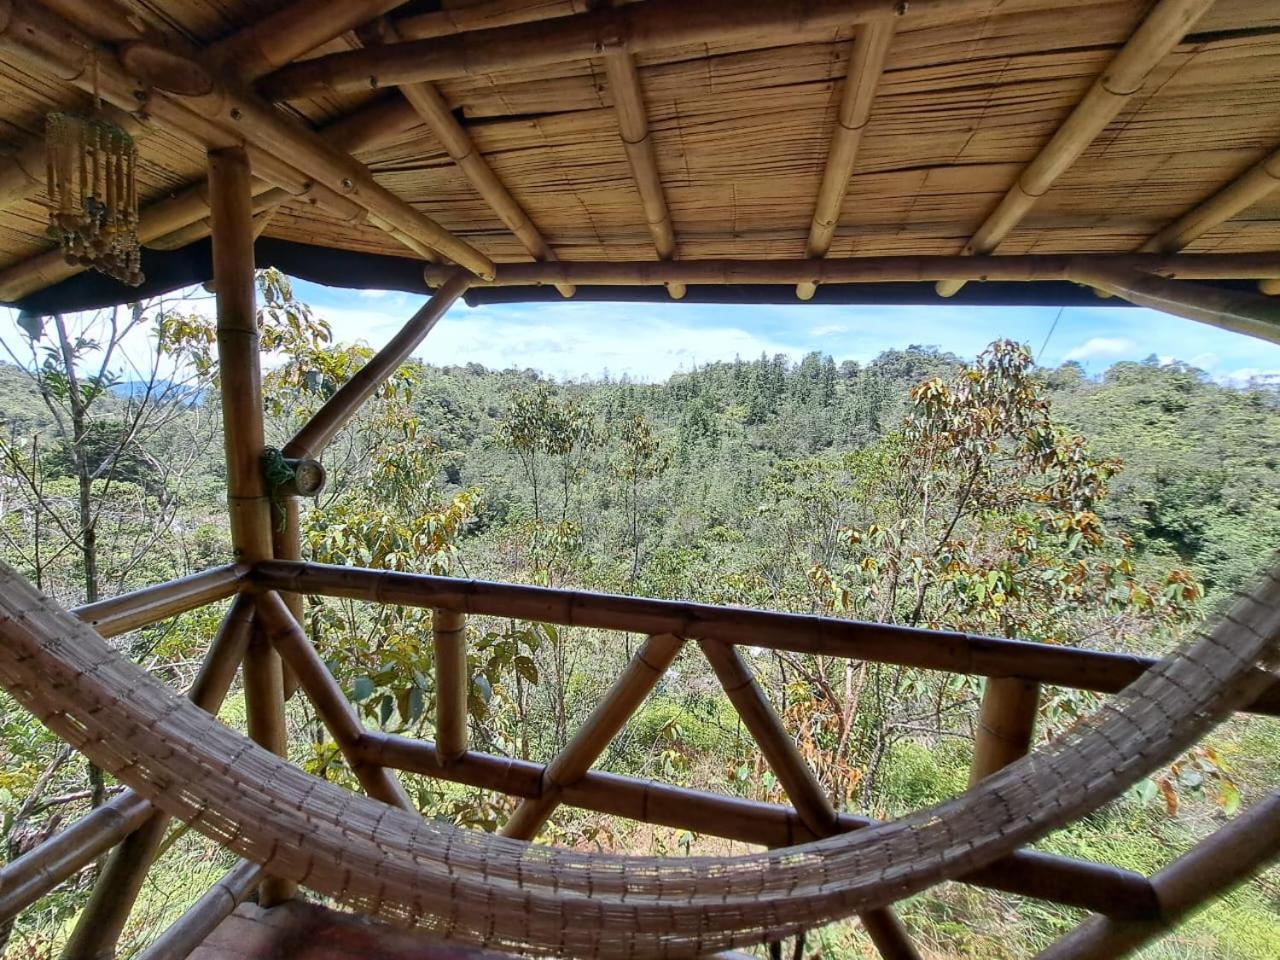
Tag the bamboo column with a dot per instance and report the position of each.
(1216, 864)
(1157, 35)
(797, 779)
(632, 686)
(326, 696)
(866, 64)
(98, 929)
(241, 386)
(449, 634)
(633, 128)
(1006, 724)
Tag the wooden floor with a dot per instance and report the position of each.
(307, 931)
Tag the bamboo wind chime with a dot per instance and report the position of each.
(92, 182)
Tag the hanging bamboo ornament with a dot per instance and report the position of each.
(91, 171)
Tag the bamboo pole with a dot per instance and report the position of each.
(1021, 268)
(224, 116)
(116, 889)
(1162, 30)
(635, 682)
(1213, 866)
(1249, 188)
(449, 635)
(1251, 314)
(640, 28)
(326, 696)
(191, 929)
(882, 643)
(1006, 724)
(1077, 883)
(797, 779)
(633, 129)
(148, 605)
(862, 78)
(320, 430)
(39, 870)
(286, 544)
(453, 136)
(484, 14)
(238, 361)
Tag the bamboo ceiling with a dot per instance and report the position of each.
(741, 131)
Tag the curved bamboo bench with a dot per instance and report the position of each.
(500, 892)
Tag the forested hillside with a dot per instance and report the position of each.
(980, 494)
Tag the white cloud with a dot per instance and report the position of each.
(1244, 376)
(565, 340)
(1102, 348)
(827, 329)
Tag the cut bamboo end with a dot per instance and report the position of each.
(806, 291)
(1269, 287)
(948, 288)
(676, 291)
(566, 290)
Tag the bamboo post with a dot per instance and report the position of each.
(241, 382)
(866, 64)
(1077, 883)
(191, 929)
(1157, 35)
(797, 779)
(1020, 268)
(629, 690)
(1006, 724)
(286, 544)
(969, 654)
(320, 430)
(1258, 182)
(288, 639)
(449, 634)
(1216, 864)
(633, 129)
(100, 924)
(457, 142)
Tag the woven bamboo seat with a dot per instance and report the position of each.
(494, 891)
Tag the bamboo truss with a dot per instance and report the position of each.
(1159, 33)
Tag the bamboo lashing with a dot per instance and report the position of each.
(633, 129)
(1006, 724)
(326, 696)
(866, 64)
(449, 639)
(1164, 27)
(1219, 862)
(324, 425)
(1077, 883)
(635, 682)
(877, 642)
(493, 891)
(100, 924)
(439, 119)
(797, 778)
(1258, 182)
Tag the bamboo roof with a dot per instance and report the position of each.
(738, 132)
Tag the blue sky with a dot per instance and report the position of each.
(570, 340)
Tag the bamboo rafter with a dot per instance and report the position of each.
(633, 129)
(1157, 35)
(866, 64)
